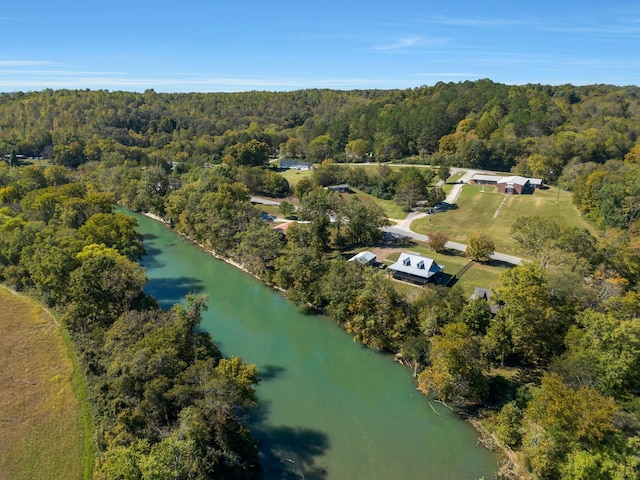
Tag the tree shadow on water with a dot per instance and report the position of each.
(291, 452)
(269, 372)
(150, 259)
(173, 290)
(288, 452)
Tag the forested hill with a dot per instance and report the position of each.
(535, 128)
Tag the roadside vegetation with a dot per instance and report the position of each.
(553, 370)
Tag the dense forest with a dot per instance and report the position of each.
(534, 128)
(556, 370)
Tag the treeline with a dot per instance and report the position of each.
(165, 403)
(534, 129)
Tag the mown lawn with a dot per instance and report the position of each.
(390, 207)
(477, 206)
(294, 176)
(40, 416)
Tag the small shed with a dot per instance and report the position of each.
(415, 269)
(364, 258)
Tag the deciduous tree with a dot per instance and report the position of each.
(455, 371)
(479, 247)
(438, 241)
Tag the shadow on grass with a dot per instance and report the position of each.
(498, 263)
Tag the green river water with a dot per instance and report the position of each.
(329, 407)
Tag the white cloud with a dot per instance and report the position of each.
(24, 63)
(412, 41)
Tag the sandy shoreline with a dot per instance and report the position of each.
(213, 253)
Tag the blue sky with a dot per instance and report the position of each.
(212, 46)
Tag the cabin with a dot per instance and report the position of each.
(292, 164)
(415, 269)
(364, 258)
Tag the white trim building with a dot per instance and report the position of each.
(415, 269)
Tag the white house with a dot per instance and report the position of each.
(293, 164)
(415, 269)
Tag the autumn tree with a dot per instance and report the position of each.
(259, 246)
(320, 148)
(378, 316)
(479, 247)
(104, 285)
(115, 230)
(455, 372)
(528, 324)
(438, 241)
(252, 154)
(361, 221)
(411, 187)
(603, 351)
(357, 149)
(563, 422)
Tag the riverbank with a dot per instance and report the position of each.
(214, 254)
(344, 421)
(485, 436)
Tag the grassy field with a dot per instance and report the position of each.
(481, 208)
(42, 420)
(294, 176)
(390, 207)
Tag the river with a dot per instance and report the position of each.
(329, 407)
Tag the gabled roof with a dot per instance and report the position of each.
(516, 180)
(481, 292)
(363, 258)
(416, 265)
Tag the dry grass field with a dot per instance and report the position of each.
(40, 416)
